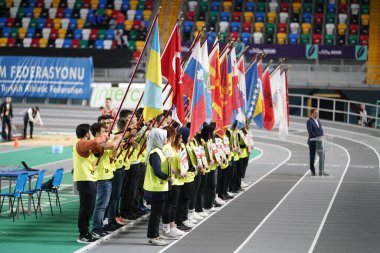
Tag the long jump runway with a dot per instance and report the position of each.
(287, 210)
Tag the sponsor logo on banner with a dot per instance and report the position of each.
(311, 52)
(361, 53)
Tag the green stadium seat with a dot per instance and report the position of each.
(261, 7)
(353, 40)
(102, 34)
(14, 32)
(269, 28)
(364, 9)
(21, 13)
(308, 7)
(330, 18)
(329, 39)
(204, 6)
(223, 37)
(305, 39)
(33, 23)
(83, 44)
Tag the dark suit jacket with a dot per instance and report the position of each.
(2, 109)
(313, 129)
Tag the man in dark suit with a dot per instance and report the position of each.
(6, 114)
(315, 131)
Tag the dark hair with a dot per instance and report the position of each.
(234, 125)
(110, 99)
(101, 108)
(205, 132)
(177, 138)
(121, 124)
(103, 117)
(95, 128)
(170, 132)
(312, 110)
(37, 109)
(124, 113)
(82, 130)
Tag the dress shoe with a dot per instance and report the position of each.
(312, 173)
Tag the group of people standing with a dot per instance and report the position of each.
(182, 179)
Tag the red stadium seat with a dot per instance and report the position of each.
(281, 27)
(247, 26)
(94, 34)
(317, 38)
(318, 18)
(342, 8)
(75, 44)
(363, 40)
(234, 35)
(190, 15)
(35, 43)
(354, 29)
(10, 22)
(11, 42)
(49, 23)
(60, 13)
(284, 7)
(236, 16)
(53, 34)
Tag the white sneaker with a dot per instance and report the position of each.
(196, 216)
(220, 201)
(192, 220)
(169, 236)
(105, 222)
(211, 210)
(244, 184)
(203, 214)
(178, 232)
(157, 242)
(189, 224)
(230, 193)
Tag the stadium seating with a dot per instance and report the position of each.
(73, 23)
(322, 22)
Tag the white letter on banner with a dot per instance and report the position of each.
(32, 71)
(38, 72)
(45, 74)
(81, 74)
(25, 72)
(18, 73)
(51, 73)
(57, 72)
(64, 73)
(13, 71)
(73, 73)
(3, 71)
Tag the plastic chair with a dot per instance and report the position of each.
(293, 39)
(57, 179)
(37, 190)
(16, 194)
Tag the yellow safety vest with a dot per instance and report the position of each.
(153, 183)
(105, 170)
(83, 166)
(243, 151)
(174, 164)
(190, 175)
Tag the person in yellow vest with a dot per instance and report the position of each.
(243, 159)
(226, 172)
(104, 180)
(235, 186)
(85, 177)
(156, 183)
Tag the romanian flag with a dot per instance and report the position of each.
(153, 86)
(216, 91)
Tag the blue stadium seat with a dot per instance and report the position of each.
(250, 6)
(99, 44)
(188, 26)
(41, 23)
(29, 12)
(235, 26)
(215, 6)
(260, 17)
(67, 43)
(331, 8)
(7, 32)
(103, 3)
(211, 37)
(125, 5)
(109, 34)
(78, 34)
(72, 23)
(139, 15)
(307, 18)
(30, 32)
(68, 13)
(225, 16)
(293, 39)
(3, 21)
(32, 3)
(246, 38)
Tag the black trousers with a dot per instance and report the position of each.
(196, 185)
(245, 166)
(139, 191)
(210, 189)
(200, 194)
(237, 176)
(31, 124)
(156, 211)
(6, 121)
(312, 152)
(87, 199)
(170, 206)
(128, 191)
(226, 178)
(185, 195)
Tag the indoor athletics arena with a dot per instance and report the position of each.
(189, 126)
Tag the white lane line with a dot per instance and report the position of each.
(256, 182)
(21, 149)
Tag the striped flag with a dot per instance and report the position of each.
(153, 86)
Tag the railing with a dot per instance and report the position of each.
(336, 110)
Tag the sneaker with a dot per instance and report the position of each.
(112, 227)
(196, 216)
(184, 228)
(194, 221)
(189, 224)
(244, 184)
(229, 196)
(86, 239)
(211, 210)
(122, 221)
(157, 242)
(179, 232)
(220, 201)
(171, 235)
(203, 214)
(98, 234)
(216, 205)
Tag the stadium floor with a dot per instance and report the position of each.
(283, 210)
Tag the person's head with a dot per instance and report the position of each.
(158, 121)
(184, 133)
(124, 113)
(314, 113)
(170, 133)
(98, 129)
(108, 103)
(156, 139)
(8, 99)
(82, 131)
(106, 120)
(362, 107)
(102, 110)
(177, 141)
(205, 132)
(121, 124)
(234, 125)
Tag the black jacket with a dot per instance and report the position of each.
(313, 129)
(3, 108)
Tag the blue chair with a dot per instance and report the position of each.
(99, 44)
(307, 18)
(57, 179)
(29, 12)
(67, 43)
(22, 179)
(250, 6)
(7, 32)
(30, 32)
(246, 38)
(293, 39)
(139, 15)
(72, 24)
(260, 16)
(32, 3)
(188, 26)
(225, 16)
(78, 34)
(37, 190)
(235, 26)
(41, 23)
(68, 13)
(215, 6)
(3, 21)
(102, 4)
(109, 34)
(331, 8)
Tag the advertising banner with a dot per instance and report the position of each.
(45, 77)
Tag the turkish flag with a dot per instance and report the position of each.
(172, 70)
(268, 102)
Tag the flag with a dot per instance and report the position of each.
(189, 75)
(216, 92)
(284, 120)
(153, 86)
(241, 92)
(198, 103)
(268, 102)
(254, 94)
(171, 59)
(275, 85)
(224, 84)
(206, 77)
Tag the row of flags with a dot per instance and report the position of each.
(217, 85)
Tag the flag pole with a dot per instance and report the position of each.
(280, 62)
(135, 69)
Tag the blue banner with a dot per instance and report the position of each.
(45, 77)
